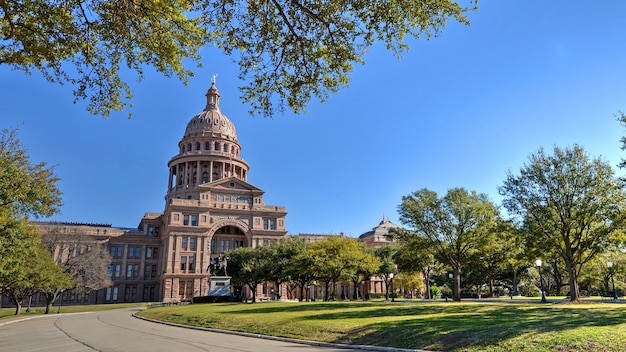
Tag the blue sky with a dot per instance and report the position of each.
(457, 111)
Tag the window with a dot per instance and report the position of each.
(192, 262)
(132, 271)
(152, 252)
(130, 293)
(190, 220)
(217, 146)
(150, 272)
(150, 231)
(207, 146)
(114, 270)
(116, 251)
(111, 293)
(184, 245)
(149, 293)
(192, 243)
(134, 252)
(198, 146)
(212, 246)
(269, 224)
(183, 263)
(185, 288)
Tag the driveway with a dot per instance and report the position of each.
(118, 330)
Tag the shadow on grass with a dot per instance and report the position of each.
(457, 328)
(448, 327)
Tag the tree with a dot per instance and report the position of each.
(388, 266)
(334, 259)
(18, 242)
(25, 188)
(571, 205)
(362, 266)
(249, 267)
(413, 256)
(38, 274)
(302, 269)
(280, 267)
(53, 280)
(84, 260)
(288, 50)
(454, 225)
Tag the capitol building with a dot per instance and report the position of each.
(210, 208)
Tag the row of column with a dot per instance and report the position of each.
(236, 171)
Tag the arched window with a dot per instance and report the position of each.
(207, 146)
(189, 147)
(217, 146)
(198, 146)
(225, 149)
(205, 177)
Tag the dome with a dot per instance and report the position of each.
(211, 121)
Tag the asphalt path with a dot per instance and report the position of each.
(118, 330)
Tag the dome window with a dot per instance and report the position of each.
(198, 146)
(189, 147)
(225, 149)
(217, 146)
(207, 146)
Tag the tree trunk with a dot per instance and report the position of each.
(456, 287)
(574, 293)
(514, 291)
(427, 279)
(18, 308)
(326, 289)
(253, 289)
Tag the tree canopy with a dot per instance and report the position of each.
(287, 51)
(454, 226)
(569, 205)
(25, 188)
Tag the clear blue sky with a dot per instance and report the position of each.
(457, 111)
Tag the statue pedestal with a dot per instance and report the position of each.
(219, 286)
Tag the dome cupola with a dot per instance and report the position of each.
(209, 151)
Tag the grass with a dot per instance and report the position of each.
(10, 312)
(467, 326)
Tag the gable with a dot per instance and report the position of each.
(231, 184)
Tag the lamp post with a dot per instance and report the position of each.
(60, 302)
(610, 265)
(392, 292)
(543, 294)
(451, 276)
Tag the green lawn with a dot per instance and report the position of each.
(506, 325)
(10, 312)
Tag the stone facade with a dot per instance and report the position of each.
(210, 208)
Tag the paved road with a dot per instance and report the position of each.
(117, 330)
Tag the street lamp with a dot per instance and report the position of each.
(610, 265)
(451, 276)
(60, 302)
(392, 292)
(543, 294)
